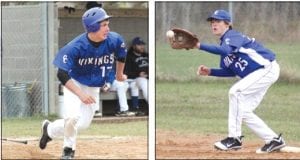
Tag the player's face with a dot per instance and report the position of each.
(139, 48)
(218, 27)
(103, 31)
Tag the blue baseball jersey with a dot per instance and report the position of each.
(240, 55)
(88, 64)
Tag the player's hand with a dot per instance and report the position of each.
(87, 99)
(203, 70)
(106, 87)
(197, 45)
(121, 77)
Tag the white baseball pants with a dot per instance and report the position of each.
(78, 116)
(137, 84)
(245, 96)
(121, 88)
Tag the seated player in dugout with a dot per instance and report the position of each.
(257, 67)
(82, 65)
(137, 70)
(121, 87)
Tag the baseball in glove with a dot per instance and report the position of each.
(181, 38)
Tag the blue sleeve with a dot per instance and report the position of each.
(220, 50)
(121, 51)
(65, 58)
(221, 72)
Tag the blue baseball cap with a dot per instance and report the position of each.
(137, 41)
(220, 15)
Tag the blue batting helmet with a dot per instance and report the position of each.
(92, 17)
(220, 15)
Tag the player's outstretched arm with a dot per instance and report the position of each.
(220, 72)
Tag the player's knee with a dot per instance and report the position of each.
(71, 121)
(70, 126)
(133, 85)
(247, 115)
(233, 92)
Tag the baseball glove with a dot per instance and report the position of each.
(183, 39)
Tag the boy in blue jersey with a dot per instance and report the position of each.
(256, 66)
(82, 68)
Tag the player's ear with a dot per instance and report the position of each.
(229, 24)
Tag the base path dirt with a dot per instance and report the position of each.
(87, 148)
(170, 145)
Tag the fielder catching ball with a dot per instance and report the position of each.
(256, 66)
(82, 68)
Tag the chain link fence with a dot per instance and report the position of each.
(23, 55)
(32, 34)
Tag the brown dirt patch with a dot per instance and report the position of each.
(87, 148)
(170, 145)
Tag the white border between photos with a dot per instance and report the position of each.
(151, 84)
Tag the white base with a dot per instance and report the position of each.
(287, 149)
(290, 149)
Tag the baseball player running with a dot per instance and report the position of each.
(82, 66)
(257, 67)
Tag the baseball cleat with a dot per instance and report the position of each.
(45, 137)
(68, 153)
(125, 114)
(274, 145)
(139, 112)
(229, 143)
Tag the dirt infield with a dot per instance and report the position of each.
(170, 145)
(87, 148)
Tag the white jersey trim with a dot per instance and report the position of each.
(255, 56)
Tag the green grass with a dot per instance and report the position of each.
(202, 107)
(30, 127)
(180, 65)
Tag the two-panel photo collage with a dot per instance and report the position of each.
(150, 80)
